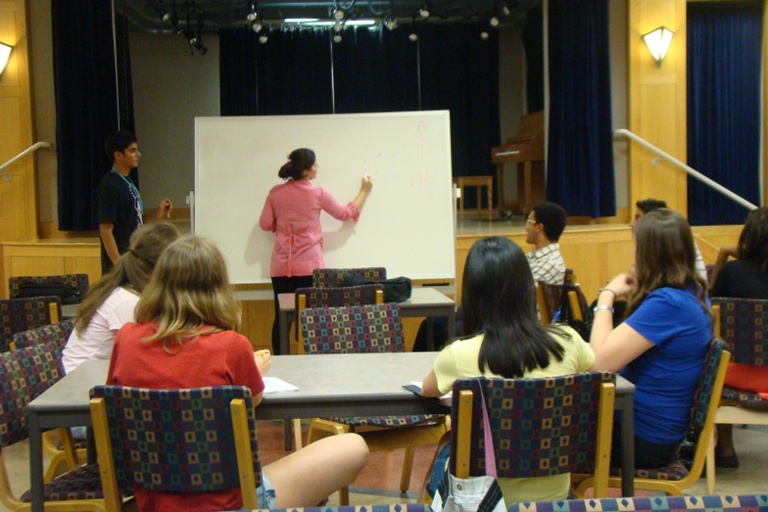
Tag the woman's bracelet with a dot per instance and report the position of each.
(603, 307)
(601, 290)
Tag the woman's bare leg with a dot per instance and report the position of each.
(308, 476)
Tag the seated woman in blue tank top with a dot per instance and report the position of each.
(662, 344)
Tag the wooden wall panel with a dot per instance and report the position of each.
(657, 103)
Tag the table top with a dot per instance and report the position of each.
(330, 382)
(421, 296)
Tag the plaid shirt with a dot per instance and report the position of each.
(547, 264)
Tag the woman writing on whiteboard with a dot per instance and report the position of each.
(292, 212)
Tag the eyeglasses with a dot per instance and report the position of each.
(531, 221)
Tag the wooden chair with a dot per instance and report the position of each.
(331, 296)
(675, 478)
(17, 315)
(25, 374)
(733, 503)
(56, 443)
(185, 458)
(743, 326)
(332, 277)
(550, 298)
(571, 417)
(363, 329)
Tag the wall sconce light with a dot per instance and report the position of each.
(658, 41)
(5, 54)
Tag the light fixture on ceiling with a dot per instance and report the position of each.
(658, 41)
(494, 21)
(338, 14)
(337, 38)
(413, 37)
(5, 54)
(484, 35)
(263, 38)
(390, 23)
(252, 14)
(424, 11)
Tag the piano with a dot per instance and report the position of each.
(527, 151)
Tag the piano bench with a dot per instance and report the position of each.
(478, 182)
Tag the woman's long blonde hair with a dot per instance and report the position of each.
(665, 256)
(132, 270)
(189, 293)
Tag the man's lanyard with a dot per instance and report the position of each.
(135, 193)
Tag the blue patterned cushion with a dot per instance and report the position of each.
(176, 440)
(353, 329)
(674, 472)
(743, 399)
(17, 315)
(331, 277)
(387, 421)
(24, 375)
(58, 332)
(84, 483)
(540, 427)
(703, 394)
(744, 503)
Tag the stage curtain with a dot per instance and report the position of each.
(724, 80)
(87, 79)
(580, 173)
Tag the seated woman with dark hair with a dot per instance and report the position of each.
(506, 339)
(744, 278)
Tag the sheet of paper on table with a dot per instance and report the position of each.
(275, 385)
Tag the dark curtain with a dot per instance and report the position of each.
(580, 174)
(460, 73)
(87, 101)
(302, 71)
(724, 66)
(375, 71)
(533, 42)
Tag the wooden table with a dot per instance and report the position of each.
(329, 385)
(424, 301)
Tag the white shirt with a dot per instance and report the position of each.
(97, 340)
(547, 264)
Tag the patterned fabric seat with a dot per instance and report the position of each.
(334, 277)
(540, 427)
(77, 281)
(58, 332)
(24, 375)
(368, 328)
(208, 440)
(17, 315)
(743, 325)
(752, 503)
(674, 478)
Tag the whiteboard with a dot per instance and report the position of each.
(407, 225)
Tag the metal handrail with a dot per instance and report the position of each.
(31, 149)
(690, 170)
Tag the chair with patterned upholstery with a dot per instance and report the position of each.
(54, 442)
(367, 329)
(208, 440)
(743, 325)
(17, 315)
(78, 282)
(58, 332)
(674, 478)
(740, 503)
(335, 296)
(331, 277)
(540, 427)
(25, 374)
(395, 507)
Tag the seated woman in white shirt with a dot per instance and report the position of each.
(110, 302)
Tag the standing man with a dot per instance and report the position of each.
(120, 209)
(648, 205)
(543, 228)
